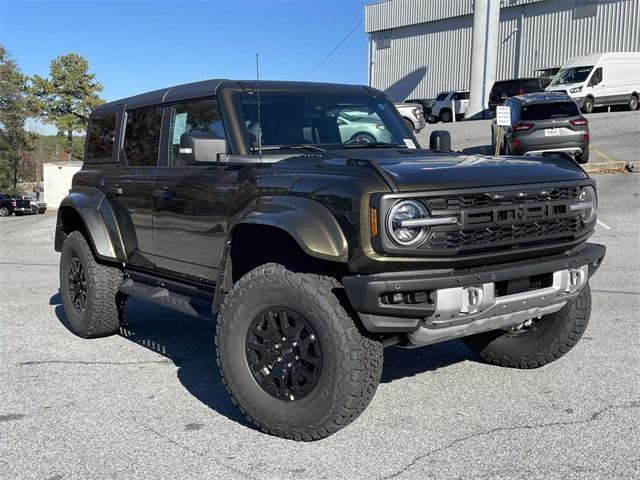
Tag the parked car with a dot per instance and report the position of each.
(361, 127)
(547, 72)
(544, 122)
(412, 115)
(600, 79)
(449, 103)
(312, 253)
(36, 205)
(426, 103)
(504, 89)
(9, 205)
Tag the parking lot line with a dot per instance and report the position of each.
(603, 225)
(602, 155)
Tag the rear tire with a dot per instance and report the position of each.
(548, 339)
(633, 103)
(279, 397)
(587, 106)
(91, 301)
(583, 157)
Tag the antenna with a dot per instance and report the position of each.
(259, 119)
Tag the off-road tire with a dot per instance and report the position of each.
(553, 336)
(587, 106)
(104, 306)
(352, 362)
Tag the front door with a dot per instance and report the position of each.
(190, 199)
(129, 184)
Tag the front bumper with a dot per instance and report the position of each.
(419, 124)
(433, 294)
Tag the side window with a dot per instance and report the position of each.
(102, 132)
(201, 116)
(596, 78)
(142, 136)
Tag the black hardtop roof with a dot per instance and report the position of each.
(207, 88)
(542, 97)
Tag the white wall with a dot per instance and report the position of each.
(57, 181)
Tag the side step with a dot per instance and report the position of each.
(194, 306)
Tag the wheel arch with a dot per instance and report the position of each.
(90, 212)
(288, 229)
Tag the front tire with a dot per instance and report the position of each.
(409, 124)
(4, 212)
(89, 290)
(587, 106)
(543, 342)
(445, 116)
(633, 103)
(291, 357)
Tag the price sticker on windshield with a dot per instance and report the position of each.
(503, 116)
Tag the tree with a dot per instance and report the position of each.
(67, 96)
(14, 110)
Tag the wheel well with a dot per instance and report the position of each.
(69, 220)
(254, 245)
(407, 119)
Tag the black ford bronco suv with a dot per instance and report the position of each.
(305, 219)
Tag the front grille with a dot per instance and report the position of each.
(514, 235)
(500, 220)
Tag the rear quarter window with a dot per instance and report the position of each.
(101, 136)
(544, 111)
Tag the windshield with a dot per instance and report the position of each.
(324, 118)
(572, 75)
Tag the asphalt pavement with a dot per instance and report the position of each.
(149, 403)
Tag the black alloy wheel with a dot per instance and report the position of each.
(283, 353)
(77, 284)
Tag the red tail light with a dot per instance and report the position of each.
(521, 91)
(522, 126)
(579, 121)
(515, 143)
(585, 137)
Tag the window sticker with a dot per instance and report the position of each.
(179, 127)
(409, 143)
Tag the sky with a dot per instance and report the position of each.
(136, 46)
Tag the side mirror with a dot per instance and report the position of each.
(201, 147)
(440, 140)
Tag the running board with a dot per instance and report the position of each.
(159, 295)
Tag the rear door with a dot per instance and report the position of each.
(190, 199)
(129, 183)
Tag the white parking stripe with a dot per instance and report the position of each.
(604, 225)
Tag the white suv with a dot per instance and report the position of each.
(446, 103)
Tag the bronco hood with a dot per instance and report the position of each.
(419, 170)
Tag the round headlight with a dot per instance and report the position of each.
(588, 204)
(406, 210)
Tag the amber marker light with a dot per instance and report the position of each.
(373, 221)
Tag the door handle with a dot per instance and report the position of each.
(117, 191)
(165, 193)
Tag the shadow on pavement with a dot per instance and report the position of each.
(189, 343)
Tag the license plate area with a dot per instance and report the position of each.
(551, 132)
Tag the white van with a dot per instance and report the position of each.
(601, 79)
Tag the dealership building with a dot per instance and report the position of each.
(418, 48)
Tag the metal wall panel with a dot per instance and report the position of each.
(427, 57)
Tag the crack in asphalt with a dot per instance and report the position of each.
(594, 416)
(82, 362)
(186, 448)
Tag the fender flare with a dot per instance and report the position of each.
(309, 223)
(99, 222)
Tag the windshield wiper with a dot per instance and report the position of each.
(373, 145)
(302, 146)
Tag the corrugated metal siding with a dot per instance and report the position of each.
(426, 58)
